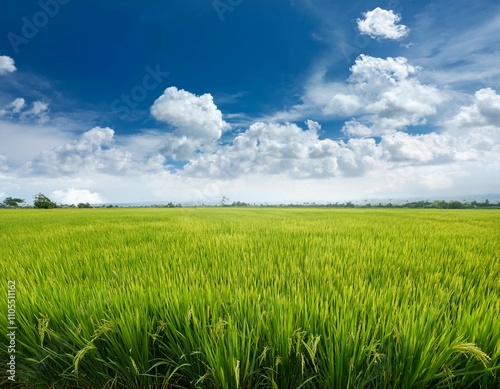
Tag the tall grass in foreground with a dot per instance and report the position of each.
(227, 298)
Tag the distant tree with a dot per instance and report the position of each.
(242, 204)
(43, 202)
(224, 201)
(418, 204)
(84, 205)
(439, 204)
(13, 202)
(455, 204)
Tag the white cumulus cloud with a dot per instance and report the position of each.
(353, 128)
(93, 151)
(419, 149)
(6, 65)
(478, 125)
(196, 120)
(385, 93)
(484, 112)
(75, 196)
(382, 24)
(273, 148)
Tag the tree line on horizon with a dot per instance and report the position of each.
(43, 202)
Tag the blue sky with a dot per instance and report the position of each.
(280, 101)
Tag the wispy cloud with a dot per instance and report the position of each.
(458, 58)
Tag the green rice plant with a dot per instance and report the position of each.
(253, 298)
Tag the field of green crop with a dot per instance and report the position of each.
(247, 298)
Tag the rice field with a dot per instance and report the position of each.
(252, 298)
